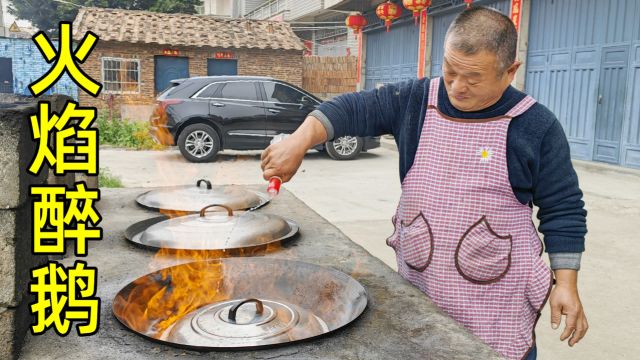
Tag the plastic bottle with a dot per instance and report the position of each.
(275, 181)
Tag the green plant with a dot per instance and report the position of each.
(45, 14)
(108, 180)
(125, 133)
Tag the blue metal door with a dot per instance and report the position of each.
(578, 63)
(217, 67)
(391, 56)
(611, 100)
(6, 75)
(566, 81)
(631, 131)
(168, 68)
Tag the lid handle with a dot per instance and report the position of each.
(206, 182)
(204, 209)
(234, 309)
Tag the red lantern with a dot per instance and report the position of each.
(417, 6)
(356, 22)
(388, 12)
(468, 2)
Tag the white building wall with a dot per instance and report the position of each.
(218, 7)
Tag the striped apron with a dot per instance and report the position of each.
(462, 236)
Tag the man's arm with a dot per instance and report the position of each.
(365, 113)
(563, 222)
(557, 194)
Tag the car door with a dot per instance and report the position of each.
(285, 107)
(239, 114)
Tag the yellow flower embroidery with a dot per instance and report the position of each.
(485, 154)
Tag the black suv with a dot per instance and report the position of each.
(203, 115)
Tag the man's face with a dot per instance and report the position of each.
(473, 82)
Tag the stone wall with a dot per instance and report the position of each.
(16, 259)
(280, 64)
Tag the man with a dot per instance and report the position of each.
(475, 154)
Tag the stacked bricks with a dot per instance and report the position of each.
(327, 77)
(16, 221)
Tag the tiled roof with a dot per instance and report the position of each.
(184, 30)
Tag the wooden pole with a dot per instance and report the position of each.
(359, 67)
(422, 45)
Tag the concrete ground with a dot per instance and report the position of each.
(360, 196)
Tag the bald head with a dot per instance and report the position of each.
(479, 28)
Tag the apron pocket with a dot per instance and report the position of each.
(539, 286)
(392, 240)
(483, 256)
(416, 243)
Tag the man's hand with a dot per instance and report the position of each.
(564, 300)
(284, 158)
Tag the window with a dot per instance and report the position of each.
(121, 76)
(239, 91)
(209, 91)
(281, 93)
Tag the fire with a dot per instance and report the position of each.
(169, 304)
(173, 213)
(187, 288)
(159, 120)
(154, 303)
(152, 307)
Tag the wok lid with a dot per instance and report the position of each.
(189, 198)
(237, 323)
(214, 231)
(236, 303)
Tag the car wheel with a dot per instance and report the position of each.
(199, 143)
(344, 148)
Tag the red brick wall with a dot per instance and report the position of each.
(281, 64)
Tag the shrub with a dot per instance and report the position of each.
(108, 180)
(125, 133)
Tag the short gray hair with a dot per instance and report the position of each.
(480, 28)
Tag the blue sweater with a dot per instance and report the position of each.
(539, 163)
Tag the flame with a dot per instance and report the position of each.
(153, 304)
(152, 307)
(158, 121)
(174, 213)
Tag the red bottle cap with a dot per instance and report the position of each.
(274, 186)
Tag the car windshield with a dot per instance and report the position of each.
(281, 93)
(166, 91)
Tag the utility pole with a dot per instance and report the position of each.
(3, 30)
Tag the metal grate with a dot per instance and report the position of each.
(121, 76)
(6, 87)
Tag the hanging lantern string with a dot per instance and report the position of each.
(417, 7)
(388, 12)
(356, 22)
